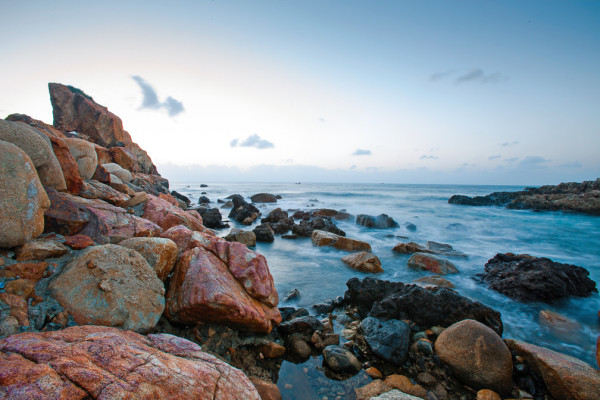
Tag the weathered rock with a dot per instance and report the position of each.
(396, 395)
(493, 199)
(396, 300)
(39, 149)
(363, 262)
(476, 355)
(79, 241)
(434, 280)
(181, 197)
(264, 198)
(160, 253)
(23, 200)
(30, 271)
(112, 286)
(302, 326)
(410, 248)
(77, 363)
(123, 157)
(299, 348)
(166, 215)
(487, 394)
(327, 212)
(40, 249)
(66, 216)
(267, 390)
(212, 218)
(84, 154)
(123, 174)
(322, 238)
(429, 262)
(387, 340)
(103, 154)
(242, 211)
(102, 175)
(381, 221)
(565, 377)
(306, 227)
(339, 359)
(320, 340)
(151, 184)
(48, 130)
(559, 324)
(18, 307)
(271, 349)
(98, 190)
(136, 199)
(264, 233)
(372, 390)
(246, 237)
(536, 279)
(403, 384)
(68, 165)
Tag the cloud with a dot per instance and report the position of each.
(322, 119)
(478, 75)
(533, 162)
(511, 160)
(497, 156)
(361, 152)
(573, 164)
(252, 141)
(151, 102)
(438, 76)
(508, 144)
(425, 157)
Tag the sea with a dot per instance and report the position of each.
(479, 232)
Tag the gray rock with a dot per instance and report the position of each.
(388, 340)
(340, 360)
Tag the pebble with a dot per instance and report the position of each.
(486, 394)
(374, 373)
(288, 386)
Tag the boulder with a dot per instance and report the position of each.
(212, 218)
(181, 197)
(94, 362)
(280, 221)
(267, 390)
(363, 262)
(404, 385)
(372, 390)
(476, 355)
(264, 233)
(322, 238)
(17, 307)
(31, 271)
(40, 249)
(306, 227)
(426, 307)
(39, 149)
(79, 241)
(98, 190)
(410, 248)
(434, 280)
(166, 215)
(115, 169)
(396, 394)
(381, 221)
(264, 198)
(112, 286)
(565, 377)
(102, 175)
(431, 263)
(23, 200)
(246, 237)
(387, 340)
(242, 211)
(70, 169)
(341, 360)
(124, 157)
(301, 326)
(530, 278)
(65, 216)
(85, 155)
(104, 155)
(48, 130)
(328, 212)
(160, 253)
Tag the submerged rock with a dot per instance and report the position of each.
(363, 261)
(323, 238)
(381, 221)
(341, 360)
(528, 278)
(431, 263)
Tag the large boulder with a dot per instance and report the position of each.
(431, 263)
(23, 200)
(212, 218)
(381, 221)
(38, 148)
(123, 174)
(565, 377)
(387, 340)
(97, 190)
(476, 355)
(85, 156)
(264, 198)
(41, 126)
(322, 238)
(528, 278)
(161, 253)
(94, 362)
(242, 211)
(166, 215)
(110, 285)
(363, 261)
(437, 306)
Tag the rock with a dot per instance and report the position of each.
(387, 340)
(363, 262)
(214, 266)
(66, 216)
(17, 306)
(339, 359)
(396, 300)
(263, 198)
(123, 157)
(111, 286)
(40, 249)
(23, 201)
(160, 253)
(103, 176)
(39, 149)
(103, 154)
(565, 377)
(598, 351)
(303, 326)
(242, 211)
(85, 155)
(68, 165)
(558, 323)
(494, 199)
(536, 279)
(264, 233)
(444, 249)
(267, 390)
(429, 262)
(322, 238)
(396, 395)
(227, 204)
(372, 390)
(434, 280)
(299, 348)
(410, 248)
(246, 237)
(203, 200)
(79, 241)
(381, 221)
(293, 294)
(327, 212)
(320, 340)
(31, 271)
(486, 394)
(476, 355)
(98, 190)
(271, 349)
(181, 197)
(212, 218)
(166, 215)
(20, 287)
(403, 384)
(275, 216)
(410, 226)
(75, 364)
(123, 174)
(48, 130)
(374, 373)
(137, 199)
(306, 227)
(151, 184)
(9, 326)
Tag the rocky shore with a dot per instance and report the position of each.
(111, 286)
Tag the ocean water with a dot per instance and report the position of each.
(480, 232)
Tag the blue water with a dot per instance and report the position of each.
(480, 232)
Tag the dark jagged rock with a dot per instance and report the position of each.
(396, 300)
(493, 199)
(305, 228)
(264, 233)
(203, 200)
(289, 313)
(387, 340)
(242, 211)
(212, 218)
(530, 278)
(381, 221)
(280, 221)
(181, 197)
(303, 326)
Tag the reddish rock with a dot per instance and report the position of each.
(79, 241)
(271, 349)
(323, 238)
(431, 263)
(111, 286)
(168, 197)
(486, 394)
(404, 384)
(560, 325)
(23, 200)
(103, 154)
(434, 281)
(101, 175)
(373, 389)
(18, 308)
(84, 154)
(137, 198)
(68, 165)
(167, 215)
(363, 262)
(123, 157)
(20, 287)
(65, 216)
(93, 362)
(98, 190)
(160, 253)
(40, 249)
(30, 271)
(410, 248)
(565, 377)
(267, 390)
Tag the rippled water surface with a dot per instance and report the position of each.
(480, 232)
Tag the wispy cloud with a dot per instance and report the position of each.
(508, 144)
(477, 75)
(150, 100)
(426, 157)
(252, 141)
(511, 160)
(533, 162)
(497, 156)
(362, 152)
(572, 164)
(438, 76)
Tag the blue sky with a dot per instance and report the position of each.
(367, 91)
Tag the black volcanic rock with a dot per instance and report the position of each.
(381, 221)
(396, 300)
(212, 218)
(528, 278)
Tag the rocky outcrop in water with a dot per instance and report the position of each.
(528, 278)
(581, 197)
(381, 221)
(242, 211)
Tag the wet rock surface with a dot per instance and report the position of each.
(382, 221)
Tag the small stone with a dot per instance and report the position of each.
(340, 359)
(288, 386)
(40, 249)
(487, 394)
(79, 241)
(374, 373)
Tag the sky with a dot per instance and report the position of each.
(449, 92)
